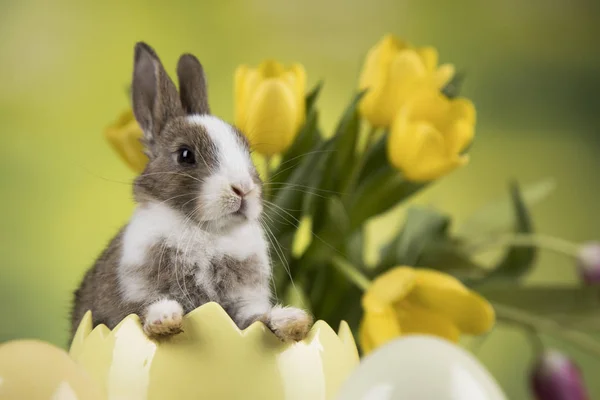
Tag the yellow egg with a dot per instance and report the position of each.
(35, 370)
(420, 367)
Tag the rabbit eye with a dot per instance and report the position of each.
(186, 156)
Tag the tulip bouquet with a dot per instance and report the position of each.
(405, 127)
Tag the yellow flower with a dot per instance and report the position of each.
(269, 104)
(421, 301)
(394, 72)
(124, 136)
(429, 134)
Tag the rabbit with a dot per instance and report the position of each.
(195, 235)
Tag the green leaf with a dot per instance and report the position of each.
(314, 194)
(375, 158)
(296, 297)
(333, 169)
(546, 300)
(445, 255)
(422, 225)
(311, 97)
(320, 283)
(517, 260)
(339, 222)
(346, 137)
(380, 192)
(284, 212)
(573, 306)
(498, 216)
(330, 239)
(355, 245)
(453, 88)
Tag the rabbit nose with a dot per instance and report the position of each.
(237, 190)
(243, 188)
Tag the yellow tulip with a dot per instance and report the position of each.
(405, 300)
(393, 73)
(124, 136)
(429, 135)
(269, 104)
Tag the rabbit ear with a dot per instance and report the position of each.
(192, 85)
(155, 98)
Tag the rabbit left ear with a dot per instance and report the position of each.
(192, 85)
(155, 98)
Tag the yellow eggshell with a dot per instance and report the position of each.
(35, 370)
(213, 359)
(420, 367)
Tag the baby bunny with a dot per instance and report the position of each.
(195, 235)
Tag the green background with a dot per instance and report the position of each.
(533, 72)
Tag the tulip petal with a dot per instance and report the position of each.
(415, 319)
(460, 125)
(296, 76)
(429, 55)
(389, 288)
(271, 69)
(378, 59)
(134, 148)
(420, 151)
(378, 328)
(406, 65)
(125, 137)
(248, 82)
(272, 117)
(447, 296)
(391, 75)
(365, 341)
(459, 136)
(444, 75)
(463, 109)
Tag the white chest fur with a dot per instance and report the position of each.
(157, 224)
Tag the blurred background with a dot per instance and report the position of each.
(533, 71)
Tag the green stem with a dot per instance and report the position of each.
(540, 324)
(351, 272)
(557, 245)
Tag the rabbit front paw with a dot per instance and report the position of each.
(163, 318)
(288, 323)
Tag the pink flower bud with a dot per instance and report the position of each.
(589, 262)
(556, 377)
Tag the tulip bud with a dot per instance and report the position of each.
(269, 105)
(124, 136)
(429, 136)
(555, 377)
(589, 262)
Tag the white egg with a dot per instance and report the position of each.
(420, 368)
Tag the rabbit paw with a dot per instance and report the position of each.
(163, 318)
(288, 323)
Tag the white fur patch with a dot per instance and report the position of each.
(281, 316)
(234, 161)
(234, 170)
(164, 310)
(156, 223)
(251, 302)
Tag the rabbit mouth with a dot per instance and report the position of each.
(241, 211)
